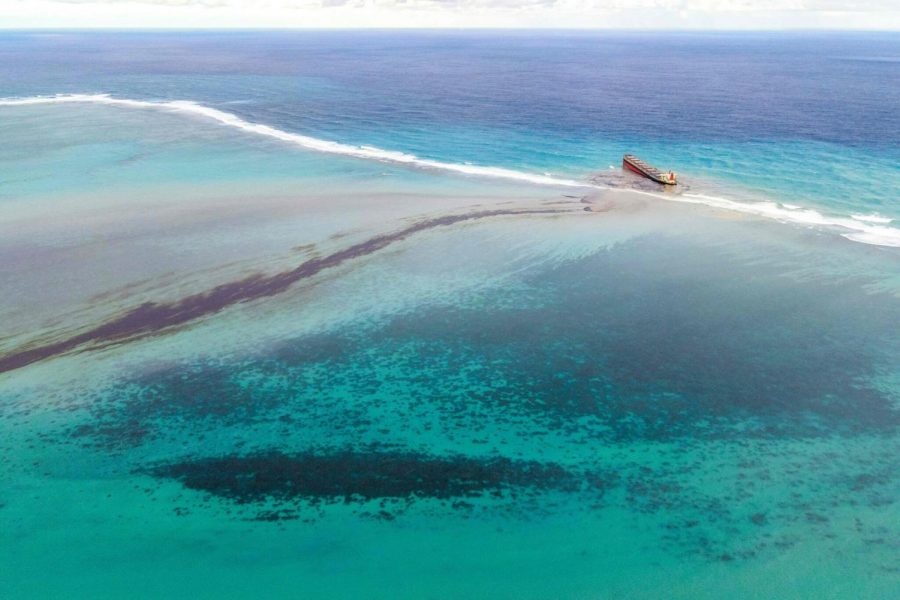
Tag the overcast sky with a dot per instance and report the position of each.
(640, 14)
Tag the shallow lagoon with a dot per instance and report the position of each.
(641, 398)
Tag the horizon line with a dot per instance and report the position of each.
(251, 28)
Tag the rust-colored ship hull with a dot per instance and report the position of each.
(636, 165)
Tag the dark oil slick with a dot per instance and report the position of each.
(662, 401)
(150, 318)
(639, 359)
(548, 393)
(589, 388)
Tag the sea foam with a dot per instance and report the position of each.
(867, 229)
(873, 218)
(304, 141)
(858, 231)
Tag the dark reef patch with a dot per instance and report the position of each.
(361, 476)
(672, 350)
(666, 339)
(721, 365)
(192, 399)
(377, 482)
(141, 408)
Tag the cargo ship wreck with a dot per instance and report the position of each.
(636, 165)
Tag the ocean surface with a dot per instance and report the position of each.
(378, 314)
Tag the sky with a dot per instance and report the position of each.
(581, 14)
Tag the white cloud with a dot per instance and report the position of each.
(641, 14)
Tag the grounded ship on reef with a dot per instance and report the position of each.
(633, 163)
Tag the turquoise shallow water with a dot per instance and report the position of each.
(643, 399)
(579, 426)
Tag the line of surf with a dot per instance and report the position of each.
(867, 230)
(304, 141)
(853, 229)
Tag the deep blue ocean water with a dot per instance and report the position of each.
(235, 362)
(806, 118)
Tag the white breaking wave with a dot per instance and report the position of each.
(873, 218)
(878, 235)
(867, 229)
(304, 141)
